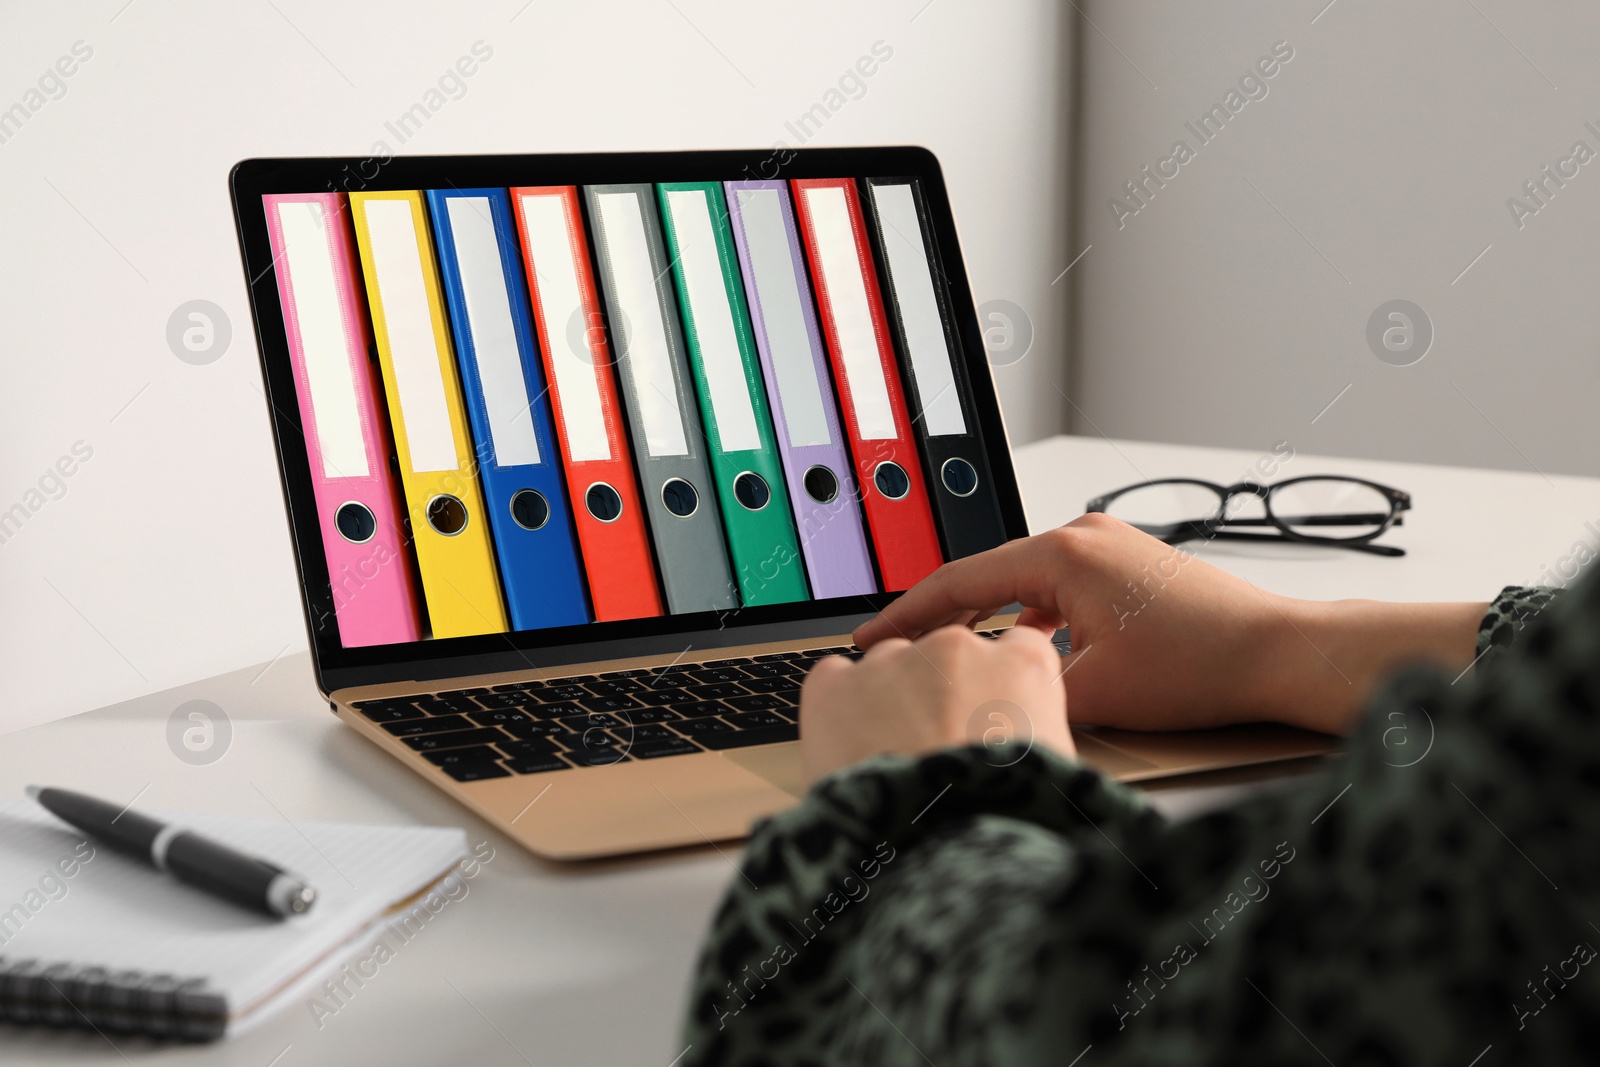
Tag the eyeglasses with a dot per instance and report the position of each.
(1320, 509)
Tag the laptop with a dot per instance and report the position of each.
(587, 458)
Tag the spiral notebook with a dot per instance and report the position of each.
(90, 938)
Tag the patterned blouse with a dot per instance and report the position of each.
(1431, 897)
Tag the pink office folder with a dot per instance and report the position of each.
(345, 424)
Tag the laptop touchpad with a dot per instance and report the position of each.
(778, 764)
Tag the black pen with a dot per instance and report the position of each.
(203, 863)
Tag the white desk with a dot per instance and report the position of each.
(586, 965)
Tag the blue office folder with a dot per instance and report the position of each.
(518, 462)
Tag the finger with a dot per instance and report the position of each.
(822, 674)
(976, 619)
(883, 649)
(1044, 619)
(1013, 572)
(1033, 643)
(1029, 635)
(830, 665)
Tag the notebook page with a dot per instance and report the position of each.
(114, 912)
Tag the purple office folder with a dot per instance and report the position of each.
(822, 488)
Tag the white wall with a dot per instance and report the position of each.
(164, 556)
(1233, 308)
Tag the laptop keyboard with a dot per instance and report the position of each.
(595, 719)
(592, 720)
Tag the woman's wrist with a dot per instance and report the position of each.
(1321, 661)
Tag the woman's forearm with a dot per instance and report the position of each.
(1325, 659)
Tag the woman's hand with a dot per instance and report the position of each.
(949, 687)
(1162, 640)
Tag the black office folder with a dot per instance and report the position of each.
(933, 366)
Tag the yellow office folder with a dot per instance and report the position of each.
(437, 467)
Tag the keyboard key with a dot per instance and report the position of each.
(475, 692)
(538, 746)
(476, 772)
(701, 728)
(531, 729)
(752, 720)
(590, 736)
(633, 672)
(645, 715)
(770, 685)
(614, 688)
(663, 677)
(447, 704)
(699, 709)
(499, 716)
(659, 697)
(383, 702)
(596, 757)
(716, 692)
(513, 687)
(455, 739)
(759, 702)
(656, 749)
(384, 711)
(440, 724)
(554, 710)
(593, 721)
(741, 738)
(644, 732)
(538, 764)
(710, 676)
(545, 696)
(836, 650)
(589, 741)
(781, 669)
(616, 703)
(455, 757)
(503, 700)
(774, 657)
(577, 679)
(715, 663)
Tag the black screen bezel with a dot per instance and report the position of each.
(338, 667)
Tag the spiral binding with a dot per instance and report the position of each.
(94, 998)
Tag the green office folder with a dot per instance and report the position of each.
(744, 452)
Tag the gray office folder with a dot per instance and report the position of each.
(657, 390)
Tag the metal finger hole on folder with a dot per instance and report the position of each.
(447, 515)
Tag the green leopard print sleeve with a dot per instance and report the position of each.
(785, 948)
(1426, 898)
(1509, 615)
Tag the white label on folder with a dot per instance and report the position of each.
(783, 317)
(911, 273)
(551, 245)
(494, 339)
(327, 348)
(413, 346)
(852, 317)
(645, 346)
(712, 316)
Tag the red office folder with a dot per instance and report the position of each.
(578, 368)
(850, 304)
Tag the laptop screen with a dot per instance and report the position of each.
(531, 405)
